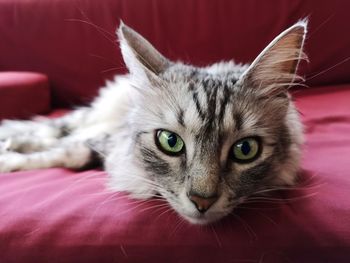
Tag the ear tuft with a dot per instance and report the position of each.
(138, 54)
(274, 70)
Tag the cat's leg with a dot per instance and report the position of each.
(44, 127)
(15, 128)
(27, 144)
(40, 134)
(74, 156)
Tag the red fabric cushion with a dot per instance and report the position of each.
(23, 94)
(73, 42)
(58, 215)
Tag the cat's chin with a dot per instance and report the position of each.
(202, 219)
(197, 220)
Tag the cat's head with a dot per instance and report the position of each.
(206, 138)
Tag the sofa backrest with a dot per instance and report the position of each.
(74, 43)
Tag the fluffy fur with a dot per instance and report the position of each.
(211, 108)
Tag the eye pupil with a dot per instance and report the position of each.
(172, 139)
(169, 142)
(245, 148)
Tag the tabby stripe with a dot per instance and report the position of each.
(180, 118)
(283, 143)
(196, 101)
(224, 101)
(252, 177)
(211, 97)
(154, 163)
(239, 121)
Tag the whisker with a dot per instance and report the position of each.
(286, 188)
(179, 223)
(246, 226)
(281, 200)
(154, 206)
(328, 69)
(159, 209)
(163, 213)
(68, 188)
(216, 236)
(144, 179)
(321, 25)
(268, 218)
(137, 202)
(103, 58)
(256, 208)
(112, 69)
(100, 29)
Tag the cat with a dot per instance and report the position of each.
(203, 138)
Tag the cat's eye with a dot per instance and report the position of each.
(169, 142)
(246, 150)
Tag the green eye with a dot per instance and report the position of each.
(246, 150)
(169, 142)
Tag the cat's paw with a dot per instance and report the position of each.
(10, 162)
(26, 144)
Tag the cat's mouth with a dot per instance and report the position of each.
(190, 212)
(202, 219)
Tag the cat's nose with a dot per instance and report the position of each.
(202, 203)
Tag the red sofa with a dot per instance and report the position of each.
(57, 215)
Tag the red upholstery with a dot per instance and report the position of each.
(73, 42)
(23, 94)
(56, 215)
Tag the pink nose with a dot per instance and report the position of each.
(202, 203)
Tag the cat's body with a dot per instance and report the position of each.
(216, 116)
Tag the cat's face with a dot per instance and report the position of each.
(210, 142)
(210, 137)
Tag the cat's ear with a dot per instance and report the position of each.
(274, 70)
(140, 57)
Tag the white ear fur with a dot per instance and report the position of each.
(274, 70)
(139, 55)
